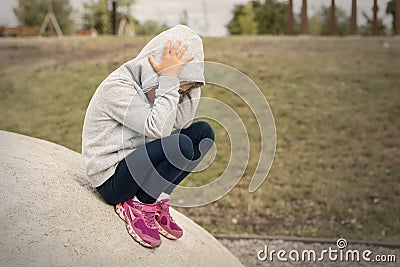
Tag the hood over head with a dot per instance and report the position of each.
(193, 71)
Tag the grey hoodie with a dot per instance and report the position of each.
(120, 118)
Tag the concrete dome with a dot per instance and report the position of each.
(49, 216)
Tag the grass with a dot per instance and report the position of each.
(336, 104)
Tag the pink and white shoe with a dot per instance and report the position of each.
(166, 225)
(140, 222)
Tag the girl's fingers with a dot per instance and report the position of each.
(167, 47)
(175, 47)
(170, 59)
(189, 59)
(182, 51)
(153, 62)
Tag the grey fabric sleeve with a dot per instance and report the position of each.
(123, 104)
(187, 109)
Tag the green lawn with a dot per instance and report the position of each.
(336, 104)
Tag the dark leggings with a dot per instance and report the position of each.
(159, 165)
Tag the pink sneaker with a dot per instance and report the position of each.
(166, 225)
(140, 222)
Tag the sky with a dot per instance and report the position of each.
(216, 12)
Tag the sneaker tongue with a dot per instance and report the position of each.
(149, 211)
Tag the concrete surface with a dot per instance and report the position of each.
(49, 216)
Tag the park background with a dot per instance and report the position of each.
(334, 96)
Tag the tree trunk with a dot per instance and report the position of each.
(304, 18)
(332, 22)
(114, 17)
(290, 18)
(397, 17)
(353, 20)
(375, 26)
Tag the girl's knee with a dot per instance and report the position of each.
(206, 129)
(186, 146)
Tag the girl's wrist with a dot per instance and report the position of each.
(169, 85)
(169, 73)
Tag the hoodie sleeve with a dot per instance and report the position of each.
(187, 109)
(123, 104)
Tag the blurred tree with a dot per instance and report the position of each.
(234, 26)
(391, 10)
(246, 20)
(269, 17)
(32, 13)
(150, 27)
(124, 10)
(125, 20)
(367, 28)
(315, 25)
(98, 15)
(342, 20)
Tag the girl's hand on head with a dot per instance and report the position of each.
(172, 62)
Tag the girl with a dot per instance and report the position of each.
(131, 153)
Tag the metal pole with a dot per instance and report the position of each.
(290, 18)
(332, 30)
(304, 24)
(353, 20)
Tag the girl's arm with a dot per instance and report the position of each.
(187, 108)
(125, 105)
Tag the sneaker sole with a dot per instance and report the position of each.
(164, 232)
(119, 210)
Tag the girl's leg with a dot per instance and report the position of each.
(132, 173)
(147, 171)
(119, 187)
(197, 132)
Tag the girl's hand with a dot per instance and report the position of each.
(172, 62)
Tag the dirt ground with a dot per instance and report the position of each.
(51, 52)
